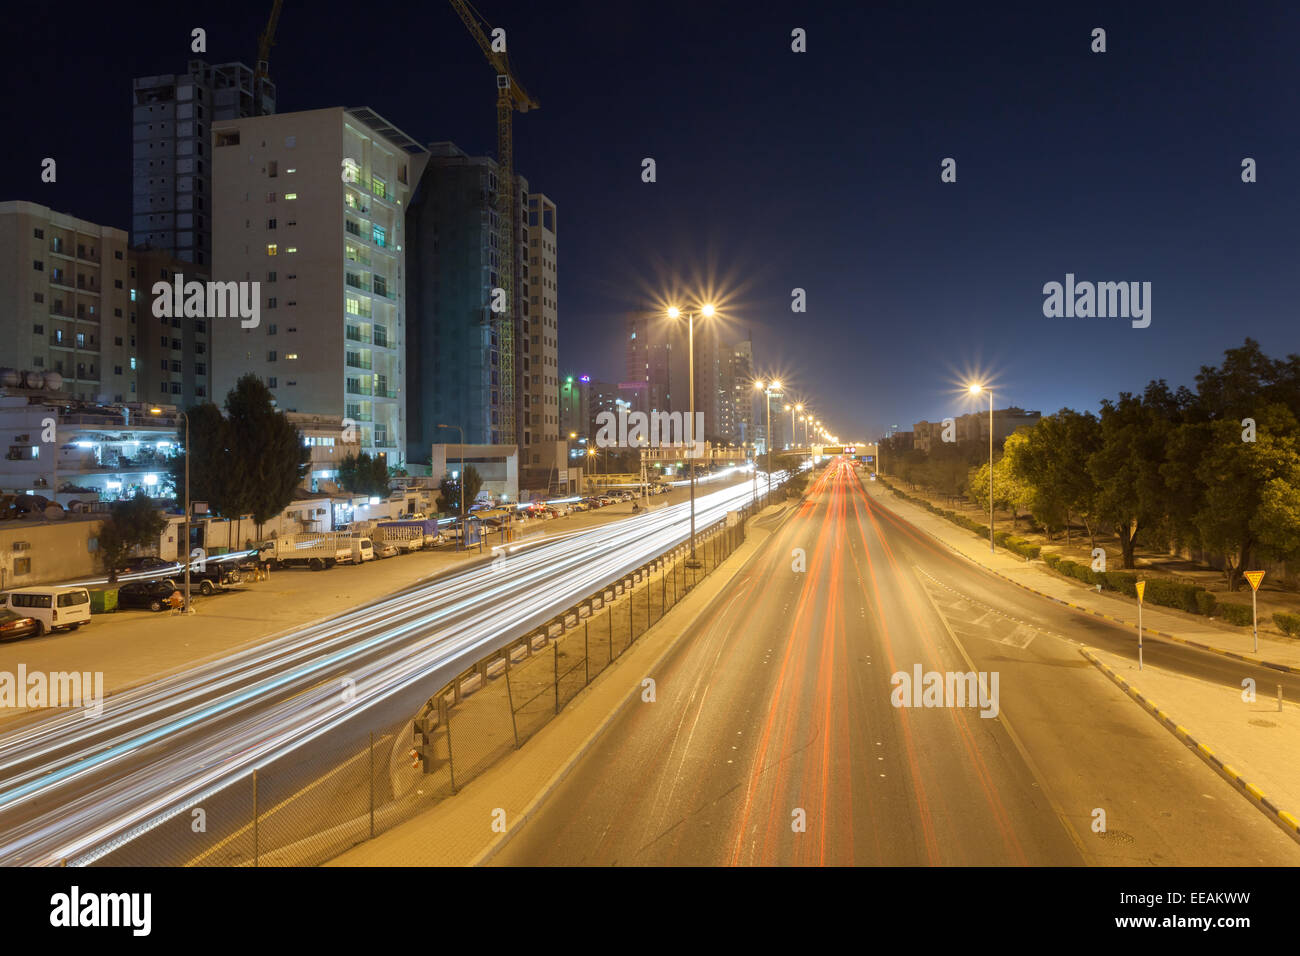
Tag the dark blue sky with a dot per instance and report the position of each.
(819, 170)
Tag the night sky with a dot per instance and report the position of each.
(818, 170)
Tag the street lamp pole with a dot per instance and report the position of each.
(186, 525)
(975, 390)
(673, 313)
(461, 481)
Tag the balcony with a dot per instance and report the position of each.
(384, 443)
(385, 393)
(354, 334)
(357, 388)
(356, 361)
(356, 282)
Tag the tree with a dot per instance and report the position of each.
(797, 480)
(1131, 493)
(1251, 503)
(449, 496)
(249, 461)
(1010, 490)
(269, 445)
(1052, 463)
(134, 523)
(364, 475)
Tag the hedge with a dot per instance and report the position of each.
(1205, 603)
(1236, 613)
(1026, 549)
(1288, 624)
(1174, 594)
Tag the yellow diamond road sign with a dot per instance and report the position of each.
(1141, 588)
(1254, 577)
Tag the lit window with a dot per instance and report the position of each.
(290, 356)
(291, 195)
(272, 249)
(290, 250)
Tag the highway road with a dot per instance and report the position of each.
(73, 789)
(775, 738)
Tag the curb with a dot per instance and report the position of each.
(1282, 818)
(1286, 668)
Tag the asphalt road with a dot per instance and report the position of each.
(774, 739)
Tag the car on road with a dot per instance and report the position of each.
(14, 626)
(153, 595)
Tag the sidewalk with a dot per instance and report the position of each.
(132, 647)
(1251, 744)
(1278, 652)
(458, 831)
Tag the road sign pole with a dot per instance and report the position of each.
(1141, 593)
(1254, 618)
(1255, 578)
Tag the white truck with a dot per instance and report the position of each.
(409, 535)
(363, 549)
(313, 549)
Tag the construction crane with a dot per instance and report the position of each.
(511, 96)
(262, 76)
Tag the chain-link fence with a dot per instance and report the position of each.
(315, 802)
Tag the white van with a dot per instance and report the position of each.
(363, 549)
(55, 607)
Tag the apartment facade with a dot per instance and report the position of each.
(68, 313)
(470, 358)
(312, 206)
(173, 353)
(171, 162)
(538, 365)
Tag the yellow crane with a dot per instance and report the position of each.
(262, 74)
(511, 96)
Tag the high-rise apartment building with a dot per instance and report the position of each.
(457, 346)
(740, 377)
(67, 304)
(537, 365)
(173, 353)
(171, 166)
(312, 206)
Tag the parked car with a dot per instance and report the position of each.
(213, 577)
(145, 594)
(385, 549)
(146, 563)
(14, 626)
(52, 606)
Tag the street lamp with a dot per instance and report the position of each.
(707, 312)
(793, 409)
(461, 481)
(186, 539)
(767, 435)
(975, 389)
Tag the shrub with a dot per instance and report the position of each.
(1026, 549)
(1205, 602)
(1239, 614)
(1002, 537)
(1173, 594)
(1123, 581)
(1052, 560)
(1288, 624)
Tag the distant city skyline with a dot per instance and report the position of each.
(818, 171)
